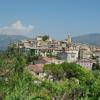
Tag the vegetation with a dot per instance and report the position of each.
(45, 37)
(66, 81)
(96, 66)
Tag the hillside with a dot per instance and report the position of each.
(93, 39)
(7, 39)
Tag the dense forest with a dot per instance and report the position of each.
(70, 81)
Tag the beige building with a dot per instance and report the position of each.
(85, 52)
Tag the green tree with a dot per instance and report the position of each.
(45, 37)
(55, 70)
(96, 66)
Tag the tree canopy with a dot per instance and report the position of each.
(70, 81)
(45, 37)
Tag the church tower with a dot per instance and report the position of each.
(69, 39)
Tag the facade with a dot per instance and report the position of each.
(68, 56)
(97, 53)
(85, 52)
(69, 39)
(39, 38)
(99, 60)
(87, 63)
(72, 55)
(63, 50)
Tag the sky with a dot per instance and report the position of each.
(57, 18)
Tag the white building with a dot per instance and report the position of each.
(39, 38)
(72, 55)
(69, 56)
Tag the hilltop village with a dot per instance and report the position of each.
(46, 69)
(46, 51)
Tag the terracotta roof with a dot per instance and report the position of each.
(38, 68)
(47, 59)
(97, 51)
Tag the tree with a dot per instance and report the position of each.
(71, 81)
(45, 37)
(55, 70)
(96, 66)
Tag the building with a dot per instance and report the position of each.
(69, 39)
(97, 53)
(87, 63)
(85, 52)
(39, 38)
(69, 55)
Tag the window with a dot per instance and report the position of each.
(72, 55)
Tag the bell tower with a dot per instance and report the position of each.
(69, 39)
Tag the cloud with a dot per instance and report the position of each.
(16, 28)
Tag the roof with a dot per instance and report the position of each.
(66, 53)
(97, 51)
(38, 68)
(48, 59)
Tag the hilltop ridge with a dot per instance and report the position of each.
(92, 39)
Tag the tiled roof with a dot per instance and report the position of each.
(38, 68)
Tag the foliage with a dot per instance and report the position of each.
(70, 81)
(95, 66)
(80, 80)
(45, 37)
